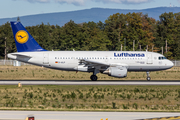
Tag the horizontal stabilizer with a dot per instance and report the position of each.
(22, 55)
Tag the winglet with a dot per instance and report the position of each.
(24, 41)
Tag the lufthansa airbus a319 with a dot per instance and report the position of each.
(112, 63)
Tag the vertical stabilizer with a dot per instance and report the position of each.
(24, 41)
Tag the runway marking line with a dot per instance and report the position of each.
(164, 118)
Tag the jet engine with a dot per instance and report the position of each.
(118, 71)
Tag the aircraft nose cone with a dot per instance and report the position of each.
(171, 64)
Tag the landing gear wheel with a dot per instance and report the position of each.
(148, 78)
(93, 77)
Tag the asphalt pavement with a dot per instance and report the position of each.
(63, 115)
(86, 82)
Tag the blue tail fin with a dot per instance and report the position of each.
(24, 41)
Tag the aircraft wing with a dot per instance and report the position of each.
(93, 63)
(96, 63)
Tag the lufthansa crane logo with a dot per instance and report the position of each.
(22, 36)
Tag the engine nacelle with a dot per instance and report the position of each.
(119, 71)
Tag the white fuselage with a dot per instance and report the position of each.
(70, 60)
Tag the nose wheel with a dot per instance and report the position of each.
(93, 77)
(148, 76)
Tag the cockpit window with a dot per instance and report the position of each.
(162, 58)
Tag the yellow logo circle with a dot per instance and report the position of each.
(22, 36)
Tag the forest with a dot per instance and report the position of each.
(118, 32)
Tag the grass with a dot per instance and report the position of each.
(90, 98)
(40, 73)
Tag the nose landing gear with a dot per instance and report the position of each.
(148, 76)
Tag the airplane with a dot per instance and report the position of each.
(112, 63)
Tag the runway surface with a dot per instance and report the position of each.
(85, 82)
(61, 115)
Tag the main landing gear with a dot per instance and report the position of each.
(148, 76)
(94, 77)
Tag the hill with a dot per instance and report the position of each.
(80, 16)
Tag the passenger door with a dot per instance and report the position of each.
(149, 58)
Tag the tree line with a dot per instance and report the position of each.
(118, 32)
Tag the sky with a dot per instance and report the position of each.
(15, 8)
